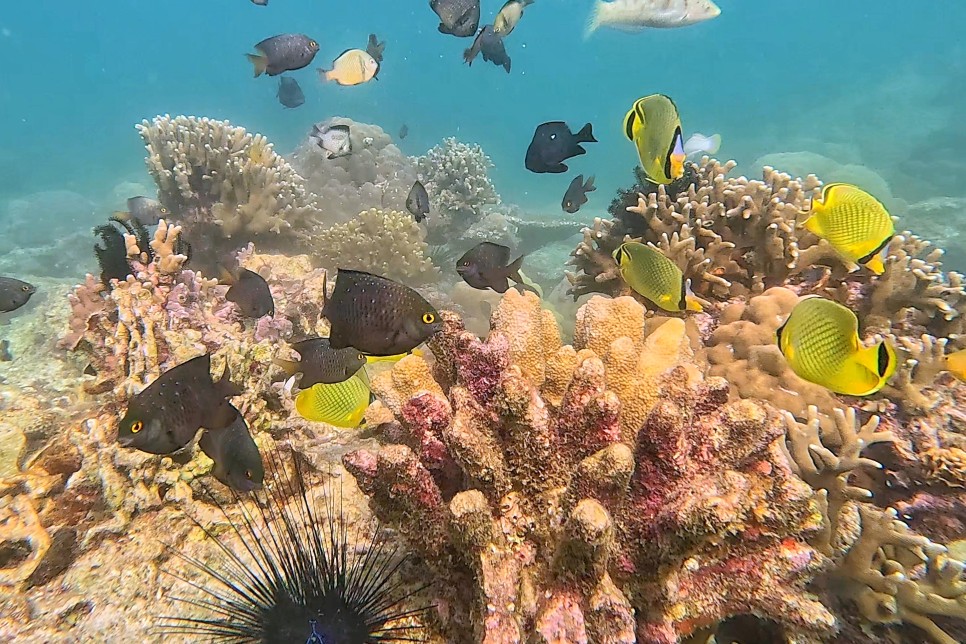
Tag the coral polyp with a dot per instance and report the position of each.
(296, 575)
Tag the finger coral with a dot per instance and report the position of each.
(385, 242)
(546, 519)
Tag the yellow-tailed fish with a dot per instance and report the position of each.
(854, 222)
(820, 341)
(654, 126)
(956, 364)
(651, 274)
(352, 67)
(395, 358)
(342, 404)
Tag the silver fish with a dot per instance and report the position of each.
(636, 15)
(508, 17)
(333, 139)
(700, 144)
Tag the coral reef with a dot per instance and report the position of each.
(455, 175)
(376, 175)
(227, 187)
(386, 242)
(548, 515)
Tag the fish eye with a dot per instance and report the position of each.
(163, 210)
(361, 356)
(428, 318)
(312, 43)
(136, 426)
(25, 288)
(248, 474)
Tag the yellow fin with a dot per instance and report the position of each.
(259, 62)
(956, 364)
(879, 361)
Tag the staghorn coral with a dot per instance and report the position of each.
(508, 472)
(455, 175)
(385, 242)
(225, 185)
(376, 175)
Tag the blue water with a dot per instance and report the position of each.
(78, 76)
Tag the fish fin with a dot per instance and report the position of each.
(513, 270)
(225, 387)
(629, 122)
(589, 186)
(221, 416)
(812, 223)
(226, 277)
(594, 20)
(715, 143)
(876, 265)
(586, 134)
(290, 367)
(259, 62)
(324, 74)
(121, 216)
(692, 304)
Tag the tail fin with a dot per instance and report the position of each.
(324, 74)
(715, 143)
(259, 62)
(586, 134)
(513, 270)
(594, 20)
(589, 185)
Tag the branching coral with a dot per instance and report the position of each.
(455, 175)
(386, 242)
(507, 471)
(376, 175)
(223, 182)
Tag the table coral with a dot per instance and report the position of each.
(221, 181)
(385, 242)
(508, 472)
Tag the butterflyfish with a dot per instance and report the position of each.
(651, 274)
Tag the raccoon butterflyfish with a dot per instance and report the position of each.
(654, 126)
(651, 274)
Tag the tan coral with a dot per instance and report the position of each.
(946, 465)
(385, 242)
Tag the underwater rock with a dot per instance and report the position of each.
(510, 472)
(12, 445)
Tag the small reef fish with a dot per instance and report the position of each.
(111, 253)
(283, 53)
(490, 44)
(164, 417)
(375, 48)
(820, 341)
(508, 17)
(403, 131)
(576, 194)
(636, 15)
(250, 292)
(342, 404)
(417, 201)
(460, 18)
(146, 210)
(333, 139)
(654, 127)
(955, 363)
(488, 265)
(319, 363)
(14, 293)
(260, 3)
(650, 274)
(854, 222)
(352, 67)
(698, 143)
(377, 315)
(553, 143)
(290, 92)
(238, 463)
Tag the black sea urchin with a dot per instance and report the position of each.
(297, 579)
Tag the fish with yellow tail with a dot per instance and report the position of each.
(651, 274)
(342, 404)
(955, 363)
(854, 222)
(637, 15)
(820, 341)
(352, 67)
(654, 127)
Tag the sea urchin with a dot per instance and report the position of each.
(297, 579)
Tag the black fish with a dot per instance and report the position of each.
(377, 315)
(146, 210)
(490, 44)
(165, 416)
(238, 463)
(553, 143)
(457, 17)
(289, 92)
(250, 292)
(283, 53)
(576, 195)
(320, 363)
(417, 202)
(14, 293)
(375, 48)
(111, 254)
(486, 266)
(403, 131)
